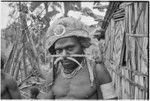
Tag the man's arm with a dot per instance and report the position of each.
(13, 88)
(105, 82)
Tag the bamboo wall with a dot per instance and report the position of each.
(126, 50)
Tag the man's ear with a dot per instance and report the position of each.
(85, 42)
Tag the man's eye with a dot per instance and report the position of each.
(70, 48)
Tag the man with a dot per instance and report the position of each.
(73, 75)
(9, 88)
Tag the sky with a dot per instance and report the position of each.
(4, 15)
(87, 20)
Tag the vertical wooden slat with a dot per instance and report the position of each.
(144, 44)
(136, 9)
(123, 85)
(112, 50)
(112, 37)
(141, 31)
(128, 49)
(131, 45)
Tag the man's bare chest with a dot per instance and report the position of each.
(78, 87)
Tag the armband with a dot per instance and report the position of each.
(108, 91)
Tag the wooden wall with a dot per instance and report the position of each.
(126, 50)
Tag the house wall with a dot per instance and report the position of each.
(126, 50)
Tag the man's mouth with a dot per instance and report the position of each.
(66, 62)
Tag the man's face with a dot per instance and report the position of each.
(68, 46)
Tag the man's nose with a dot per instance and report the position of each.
(64, 52)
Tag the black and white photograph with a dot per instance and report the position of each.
(74, 50)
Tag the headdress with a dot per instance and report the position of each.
(66, 27)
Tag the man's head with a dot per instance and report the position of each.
(69, 46)
(68, 36)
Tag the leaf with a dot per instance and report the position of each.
(48, 15)
(42, 57)
(35, 39)
(11, 14)
(33, 16)
(97, 2)
(98, 18)
(101, 8)
(34, 5)
(88, 12)
(71, 6)
(77, 6)
(52, 13)
(57, 4)
(30, 50)
(10, 4)
(12, 32)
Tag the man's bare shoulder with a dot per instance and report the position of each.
(102, 73)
